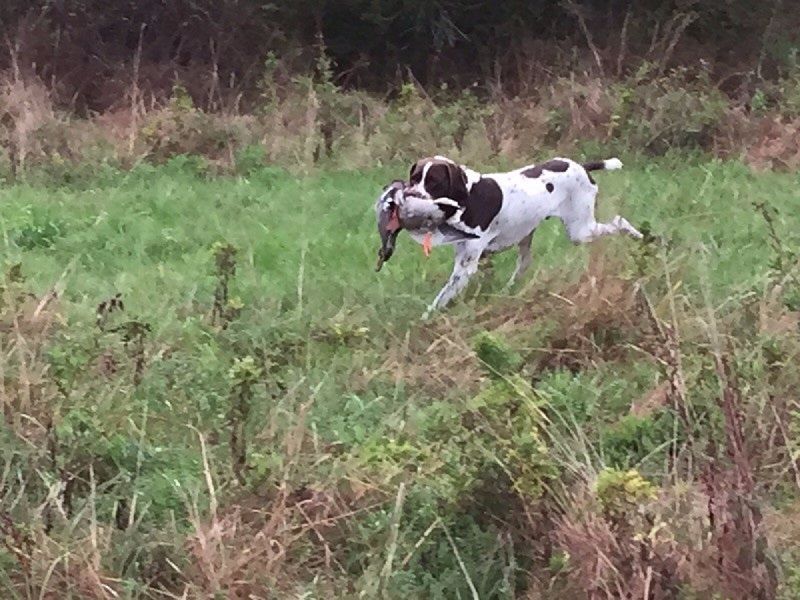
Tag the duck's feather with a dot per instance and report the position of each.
(452, 234)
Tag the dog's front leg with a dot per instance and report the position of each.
(466, 265)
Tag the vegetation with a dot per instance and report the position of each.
(208, 391)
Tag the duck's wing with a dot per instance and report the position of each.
(453, 234)
(447, 204)
(456, 229)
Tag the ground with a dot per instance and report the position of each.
(258, 361)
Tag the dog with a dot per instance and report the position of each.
(504, 209)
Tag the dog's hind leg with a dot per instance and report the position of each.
(581, 225)
(582, 233)
(523, 259)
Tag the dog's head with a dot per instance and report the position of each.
(438, 177)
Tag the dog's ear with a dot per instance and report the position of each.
(457, 179)
(416, 171)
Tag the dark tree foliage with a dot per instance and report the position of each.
(88, 49)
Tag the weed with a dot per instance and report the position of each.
(133, 334)
(244, 375)
(225, 307)
(496, 355)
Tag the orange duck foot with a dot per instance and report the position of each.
(427, 243)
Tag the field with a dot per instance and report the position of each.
(260, 414)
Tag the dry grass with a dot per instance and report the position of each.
(776, 145)
(686, 538)
(25, 109)
(26, 325)
(595, 319)
(438, 359)
(309, 121)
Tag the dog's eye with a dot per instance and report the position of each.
(416, 177)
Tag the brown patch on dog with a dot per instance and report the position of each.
(483, 203)
(557, 166)
(595, 165)
(415, 173)
(550, 187)
(445, 180)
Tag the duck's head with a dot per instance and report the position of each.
(389, 226)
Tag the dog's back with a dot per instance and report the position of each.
(559, 187)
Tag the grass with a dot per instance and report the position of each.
(377, 455)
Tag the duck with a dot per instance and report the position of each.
(429, 222)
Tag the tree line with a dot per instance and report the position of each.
(91, 51)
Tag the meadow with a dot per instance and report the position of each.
(209, 393)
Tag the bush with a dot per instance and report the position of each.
(496, 356)
(181, 129)
(657, 113)
(634, 439)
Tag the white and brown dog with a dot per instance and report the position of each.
(500, 210)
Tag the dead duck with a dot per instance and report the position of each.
(428, 222)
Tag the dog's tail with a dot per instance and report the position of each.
(610, 164)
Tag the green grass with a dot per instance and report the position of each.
(148, 235)
(321, 325)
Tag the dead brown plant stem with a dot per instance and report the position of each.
(214, 85)
(137, 108)
(623, 40)
(677, 33)
(577, 11)
(394, 533)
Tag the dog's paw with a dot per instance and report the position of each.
(612, 164)
(622, 224)
(633, 232)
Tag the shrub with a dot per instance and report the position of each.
(678, 110)
(496, 356)
(181, 129)
(634, 439)
(620, 492)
